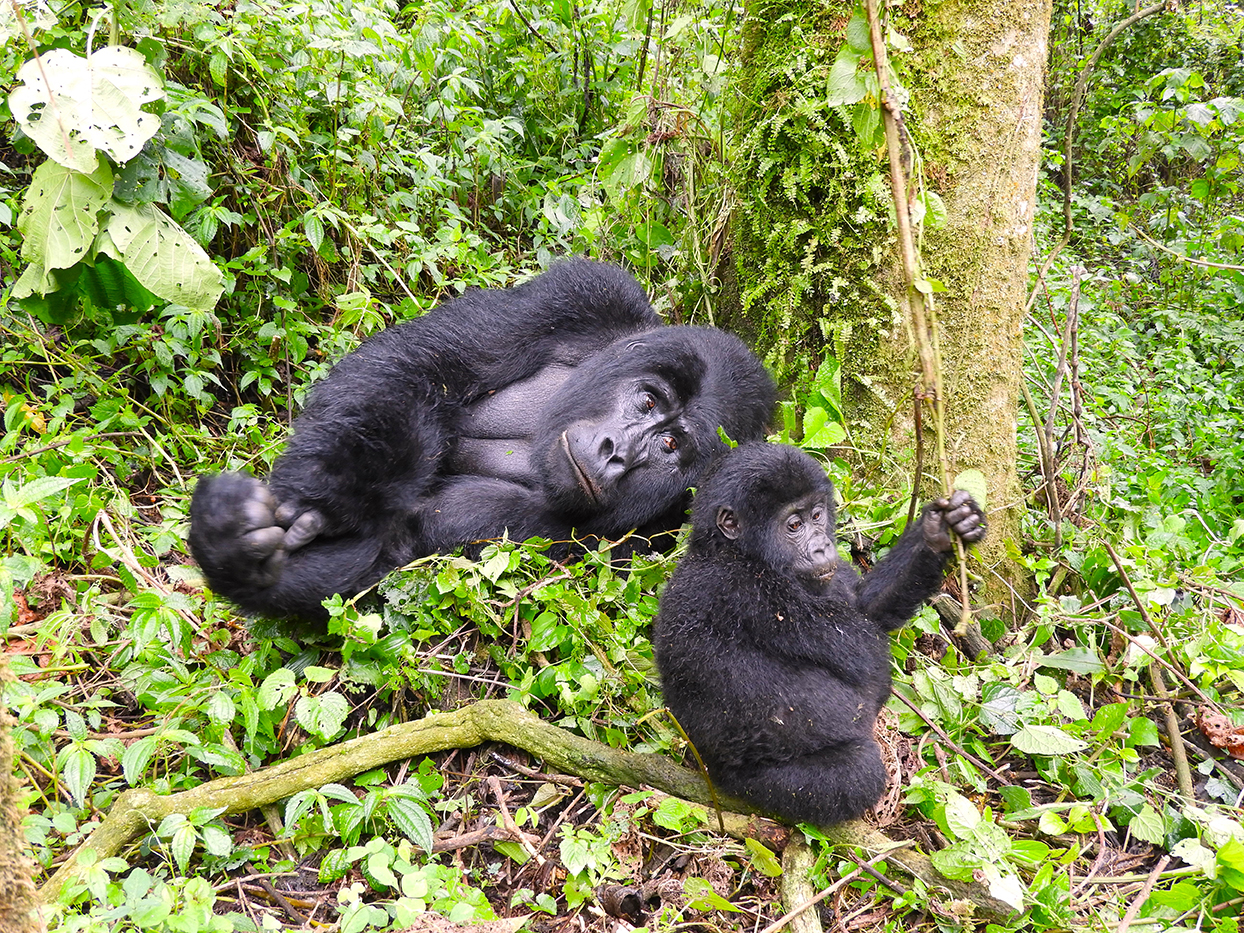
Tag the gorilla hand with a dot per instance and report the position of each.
(957, 513)
(238, 531)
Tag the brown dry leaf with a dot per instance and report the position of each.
(1221, 732)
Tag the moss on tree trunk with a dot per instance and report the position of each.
(19, 912)
(815, 261)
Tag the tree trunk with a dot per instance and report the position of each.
(19, 912)
(815, 261)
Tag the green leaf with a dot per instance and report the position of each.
(701, 896)
(1142, 731)
(1000, 708)
(762, 859)
(276, 688)
(313, 227)
(859, 36)
(137, 756)
(961, 816)
(37, 489)
(221, 708)
(512, 850)
(955, 862)
(161, 255)
(1046, 740)
(1231, 863)
(412, 820)
(1148, 826)
(334, 866)
(72, 106)
(59, 221)
(1109, 718)
(78, 771)
(845, 86)
(182, 846)
(1076, 660)
(1070, 706)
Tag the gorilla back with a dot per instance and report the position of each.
(560, 406)
(774, 654)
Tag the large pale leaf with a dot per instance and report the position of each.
(73, 106)
(59, 221)
(35, 14)
(161, 255)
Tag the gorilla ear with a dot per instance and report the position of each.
(728, 522)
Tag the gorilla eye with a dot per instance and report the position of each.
(649, 402)
(794, 523)
(670, 443)
(816, 515)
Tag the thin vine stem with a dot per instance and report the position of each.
(918, 305)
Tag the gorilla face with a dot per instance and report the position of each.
(619, 443)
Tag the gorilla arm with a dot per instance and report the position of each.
(338, 513)
(911, 572)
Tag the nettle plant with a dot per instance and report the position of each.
(92, 232)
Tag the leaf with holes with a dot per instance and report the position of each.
(161, 255)
(73, 107)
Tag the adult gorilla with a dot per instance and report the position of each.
(560, 406)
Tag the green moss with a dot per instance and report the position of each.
(810, 233)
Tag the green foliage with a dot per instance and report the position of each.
(347, 164)
(812, 197)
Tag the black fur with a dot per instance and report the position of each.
(459, 426)
(778, 674)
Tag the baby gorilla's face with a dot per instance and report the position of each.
(800, 538)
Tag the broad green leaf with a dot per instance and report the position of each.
(1000, 708)
(313, 227)
(819, 431)
(701, 896)
(334, 866)
(955, 862)
(845, 84)
(87, 104)
(161, 255)
(221, 708)
(412, 820)
(1108, 718)
(1148, 826)
(763, 860)
(78, 771)
(182, 846)
(134, 761)
(276, 688)
(36, 16)
(1005, 886)
(512, 850)
(1076, 660)
(1142, 731)
(859, 37)
(217, 841)
(59, 221)
(961, 816)
(1046, 740)
(1070, 706)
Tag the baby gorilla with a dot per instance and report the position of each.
(773, 654)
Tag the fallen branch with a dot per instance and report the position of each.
(137, 811)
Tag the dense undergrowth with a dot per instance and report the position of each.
(346, 165)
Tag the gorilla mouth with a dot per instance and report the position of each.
(581, 478)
